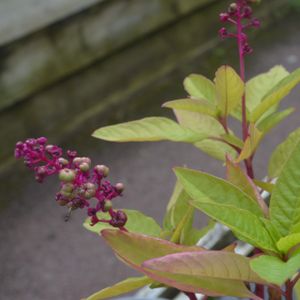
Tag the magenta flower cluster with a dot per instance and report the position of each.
(239, 14)
(80, 184)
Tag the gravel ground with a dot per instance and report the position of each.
(42, 257)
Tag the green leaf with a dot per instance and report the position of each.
(274, 270)
(250, 144)
(137, 222)
(282, 89)
(273, 120)
(203, 187)
(286, 243)
(229, 88)
(179, 219)
(233, 140)
(200, 87)
(211, 264)
(197, 121)
(194, 105)
(285, 200)
(227, 204)
(148, 129)
(216, 149)
(134, 249)
(265, 186)
(244, 224)
(177, 207)
(125, 286)
(270, 227)
(297, 286)
(239, 178)
(259, 86)
(282, 153)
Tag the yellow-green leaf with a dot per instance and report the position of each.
(229, 88)
(239, 178)
(227, 204)
(203, 187)
(282, 153)
(259, 86)
(148, 129)
(282, 89)
(274, 270)
(250, 144)
(285, 200)
(288, 242)
(197, 121)
(268, 123)
(265, 186)
(200, 87)
(123, 287)
(194, 105)
(233, 140)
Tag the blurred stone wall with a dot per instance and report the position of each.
(65, 66)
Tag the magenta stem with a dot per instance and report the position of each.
(239, 26)
(289, 290)
(191, 296)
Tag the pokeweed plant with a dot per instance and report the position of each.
(167, 255)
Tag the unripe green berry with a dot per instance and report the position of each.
(66, 194)
(107, 205)
(68, 187)
(89, 194)
(66, 175)
(102, 169)
(84, 167)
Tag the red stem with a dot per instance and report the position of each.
(289, 290)
(239, 26)
(191, 296)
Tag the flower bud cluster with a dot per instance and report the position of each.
(80, 183)
(240, 14)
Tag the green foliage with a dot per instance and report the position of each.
(282, 153)
(227, 204)
(273, 120)
(259, 86)
(179, 217)
(137, 222)
(286, 243)
(135, 249)
(199, 87)
(202, 120)
(125, 286)
(274, 270)
(148, 129)
(285, 200)
(199, 122)
(194, 105)
(229, 89)
(275, 95)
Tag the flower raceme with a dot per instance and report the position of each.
(80, 184)
(239, 14)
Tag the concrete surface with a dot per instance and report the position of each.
(44, 258)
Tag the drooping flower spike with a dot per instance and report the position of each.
(241, 16)
(79, 182)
